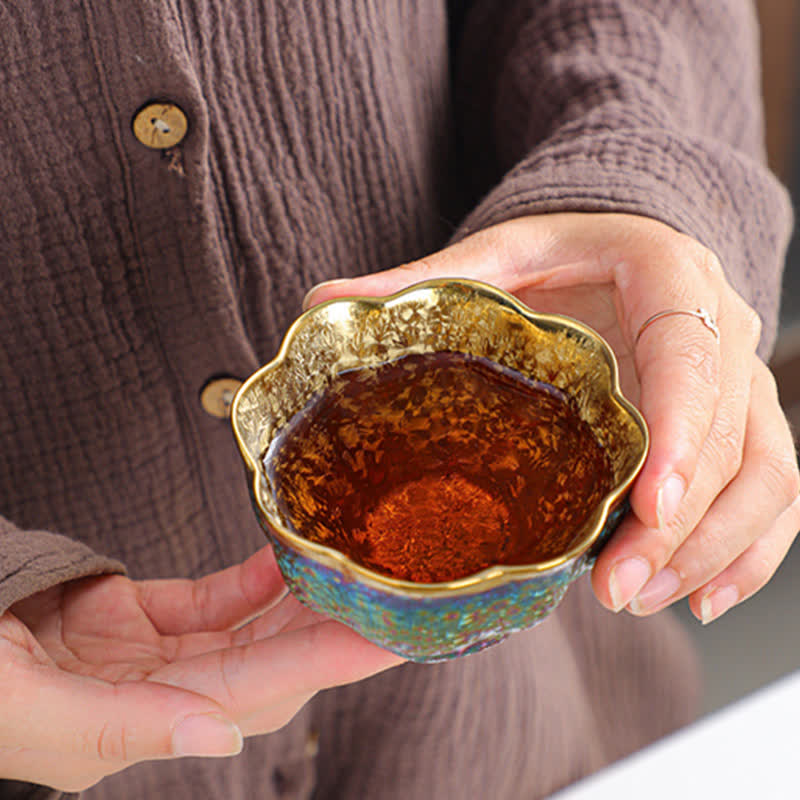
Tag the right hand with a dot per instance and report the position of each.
(100, 673)
(716, 505)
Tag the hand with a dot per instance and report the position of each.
(716, 504)
(100, 673)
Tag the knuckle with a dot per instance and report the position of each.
(663, 544)
(794, 518)
(424, 266)
(201, 599)
(764, 559)
(706, 260)
(763, 568)
(701, 362)
(780, 474)
(244, 636)
(112, 743)
(792, 481)
(750, 322)
(726, 443)
(230, 665)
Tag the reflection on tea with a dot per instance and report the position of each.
(433, 467)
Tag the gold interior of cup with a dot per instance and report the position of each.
(436, 316)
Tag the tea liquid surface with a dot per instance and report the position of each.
(433, 467)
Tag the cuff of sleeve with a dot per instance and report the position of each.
(32, 561)
(731, 204)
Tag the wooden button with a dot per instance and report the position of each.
(160, 125)
(217, 395)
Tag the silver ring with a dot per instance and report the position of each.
(699, 313)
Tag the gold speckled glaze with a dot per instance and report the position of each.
(434, 316)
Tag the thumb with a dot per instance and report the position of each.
(126, 722)
(478, 257)
(533, 251)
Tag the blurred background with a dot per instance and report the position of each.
(759, 641)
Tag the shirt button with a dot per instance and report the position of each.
(217, 395)
(160, 125)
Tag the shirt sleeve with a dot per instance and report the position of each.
(31, 561)
(639, 106)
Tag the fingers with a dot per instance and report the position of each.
(694, 379)
(288, 614)
(695, 394)
(765, 486)
(723, 554)
(258, 680)
(680, 353)
(750, 571)
(84, 718)
(217, 602)
(69, 730)
(757, 505)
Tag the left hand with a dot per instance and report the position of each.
(716, 505)
(104, 672)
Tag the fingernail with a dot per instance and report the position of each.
(717, 602)
(206, 735)
(314, 289)
(626, 579)
(670, 494)
(656, 591)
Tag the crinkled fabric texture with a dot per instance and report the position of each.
(327, 142)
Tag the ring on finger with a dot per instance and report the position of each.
(699, 313)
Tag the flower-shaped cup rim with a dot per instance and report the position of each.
(491, 576)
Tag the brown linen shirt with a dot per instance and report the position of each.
(328, 140)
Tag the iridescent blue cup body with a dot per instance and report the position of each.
(436, 621)
(431, 626)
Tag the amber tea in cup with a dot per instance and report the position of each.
(434, 466)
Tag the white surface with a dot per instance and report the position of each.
(750, 749)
